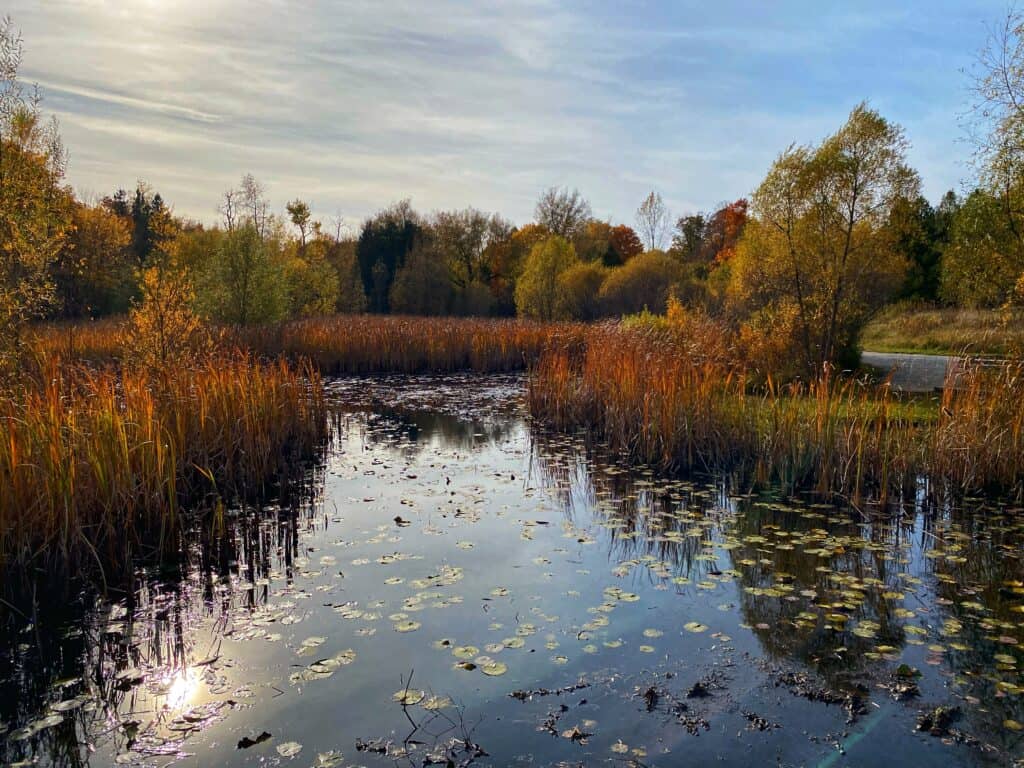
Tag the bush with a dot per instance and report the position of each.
(537, 289)
(644, 282)
(579, 290)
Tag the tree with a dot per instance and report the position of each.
(625, 243)
(163, 330)
(982, 262)
(149, 220)
(384, 242)
(93, 273)
(246, 280)
(643, 283)
(578, 289)
(821, 244)
(688, 239)
(537, 289)
(35, 206)
(505, 260)
(652, 220)
(922, 234)
(253, 204)
(593, 242)
(723, 231)
(299, 213)
(997, 129)
(461, 238)
(562, 212)
(703, 240)
(421, 286)
(313, 282)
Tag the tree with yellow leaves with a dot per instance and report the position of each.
(821, 248)
(35, 206)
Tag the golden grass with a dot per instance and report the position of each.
(394, 344)
(655, 401)
(905, 328)
(92, 461)
(348, 343)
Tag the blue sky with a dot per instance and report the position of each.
(354, 104)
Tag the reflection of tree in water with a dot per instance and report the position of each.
(121, 658)
(976, 558)
(673, 523)
(412, 433)
(808, 576)
(808, 582)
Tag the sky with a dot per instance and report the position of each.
(354, 104)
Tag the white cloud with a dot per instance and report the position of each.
(354, 104)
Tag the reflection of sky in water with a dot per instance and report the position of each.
(440, 516)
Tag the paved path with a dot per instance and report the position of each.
(911, 373)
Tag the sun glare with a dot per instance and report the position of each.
(182, 686)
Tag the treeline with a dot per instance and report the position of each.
(834, 231)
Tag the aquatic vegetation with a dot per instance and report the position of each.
(348, 343)
(676, 404)
(95, 462)
(680, 609)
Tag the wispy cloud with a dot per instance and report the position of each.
(354, 104)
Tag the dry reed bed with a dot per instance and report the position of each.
(392, 344)
(348, 343)
(93, 460)
(659, 402)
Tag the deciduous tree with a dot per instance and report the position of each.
(652, 220)
(537, 289)
(822, 243)
(562, 212)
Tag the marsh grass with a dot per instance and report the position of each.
(657, 401)
(93, 461)
(342, 344)
(948, 330)
(394, 344)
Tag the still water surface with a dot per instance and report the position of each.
(465, 590)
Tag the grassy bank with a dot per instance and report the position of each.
(652, 400)
(95, 461)
(945, 331)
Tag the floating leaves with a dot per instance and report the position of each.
(289, 749)
(408, 697)
(493, 668)
(695, 627)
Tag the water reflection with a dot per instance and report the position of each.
(432, 480)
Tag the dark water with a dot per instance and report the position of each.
(533, 605)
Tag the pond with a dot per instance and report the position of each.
(460, 588)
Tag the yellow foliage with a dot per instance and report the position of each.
(163, 329)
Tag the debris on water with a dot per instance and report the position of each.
(698, 691)
(903, 686)
(527, 695)
(248, 741)
(576, 735)
(651, 698)
(801, 684)
(939, 722)
(289, 749)
(373, 746)
(759, 723)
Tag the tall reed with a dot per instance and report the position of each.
(348, 343)
(394, 344)
(658, 400)
(92, 460)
